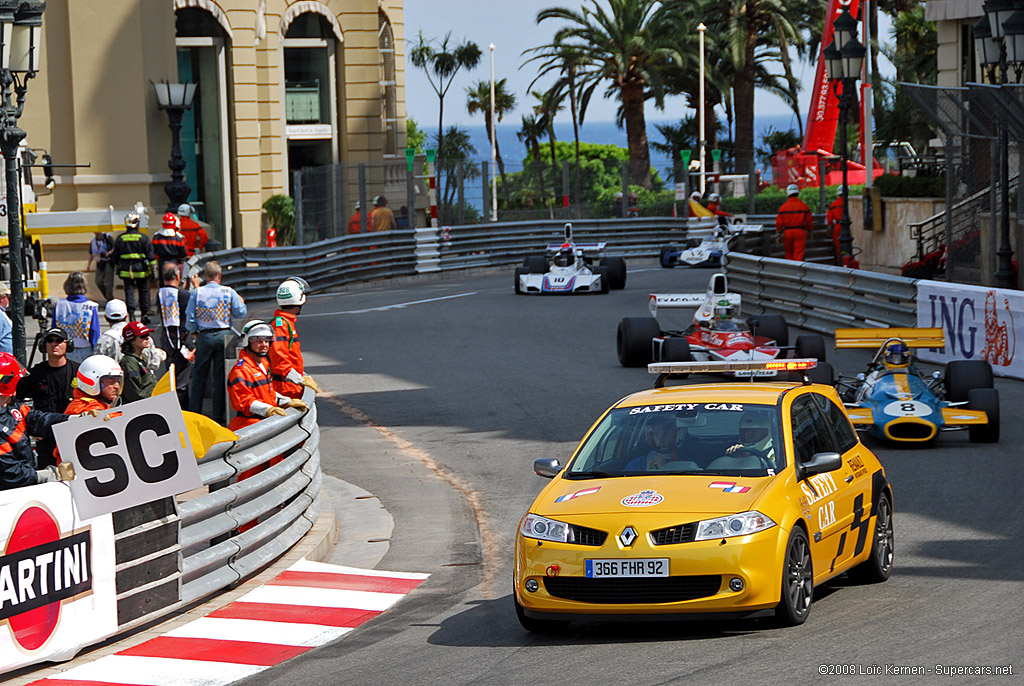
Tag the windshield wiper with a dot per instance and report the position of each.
(590, 475)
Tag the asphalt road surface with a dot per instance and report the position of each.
(466, 384)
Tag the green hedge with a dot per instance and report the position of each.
(892, 186)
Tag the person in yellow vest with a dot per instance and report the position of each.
(135, 264)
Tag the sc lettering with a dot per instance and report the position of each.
(120, 478)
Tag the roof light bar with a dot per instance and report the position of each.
(726, 367)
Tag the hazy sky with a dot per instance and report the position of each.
(511, 26)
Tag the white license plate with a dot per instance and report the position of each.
(610, 569)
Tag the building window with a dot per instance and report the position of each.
(388, 100)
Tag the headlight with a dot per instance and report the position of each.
(535, 526)
(734, 525)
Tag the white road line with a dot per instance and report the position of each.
(160, 671)
(305, 565)
(385, 308)
(259, 631)
(322, 597)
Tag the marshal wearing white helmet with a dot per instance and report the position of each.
(252, 395)
(286, 364)
(99, 385)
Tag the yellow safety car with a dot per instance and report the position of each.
(725, 499)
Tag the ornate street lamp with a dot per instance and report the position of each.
(21, 23)
(175, 98)
(844, 66)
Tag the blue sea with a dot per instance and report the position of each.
(513, 151)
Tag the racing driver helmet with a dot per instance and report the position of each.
(723, 310)
(753, 428)
(897, 354)
(93, 370)
(10, 372)
(564, 258)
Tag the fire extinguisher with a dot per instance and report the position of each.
(271, 237)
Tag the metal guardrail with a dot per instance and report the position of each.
(822, 297)
(169, 557)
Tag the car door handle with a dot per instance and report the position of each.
(848, 479)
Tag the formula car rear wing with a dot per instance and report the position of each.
(667, 369)
(587, 248)
(931, 337)
(687, 300)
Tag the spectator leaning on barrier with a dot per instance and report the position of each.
(169, 244)
(793, 224)
(286, 366)
(383, 217)
(195, 235)
(208, 316)
(6, 326)
(17, 423)
(252, 395)
(101, 248)
(79, 316)
(139, 377)
(99, 386)
(48, 384)
(133, 255)
(173, 302)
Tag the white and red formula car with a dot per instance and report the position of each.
(716, 333)
(568, 268)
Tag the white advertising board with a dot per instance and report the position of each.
(979, 324)
(128, 455)
(57, 591)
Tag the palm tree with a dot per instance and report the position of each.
(445, 63)
(530, 134)
(549, 104)
(478, 99)
(684, 136)
(628, 46)
(452, 150)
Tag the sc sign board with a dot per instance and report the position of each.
(128, 455)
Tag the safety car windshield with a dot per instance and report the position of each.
(721, 439)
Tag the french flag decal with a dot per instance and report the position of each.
(729, 486)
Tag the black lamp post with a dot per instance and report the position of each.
(21, 24)
(175, 98)
(844, 66)
(993, 40)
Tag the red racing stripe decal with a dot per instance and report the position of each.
(345, 582)
(299, 614)
(236, 652)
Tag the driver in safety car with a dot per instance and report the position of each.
(564, 257)
(754, 448)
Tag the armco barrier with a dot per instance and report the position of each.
(173, 552)
(255, 272)
(822, 297)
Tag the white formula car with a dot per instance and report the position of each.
(707, 251)
(569, 267)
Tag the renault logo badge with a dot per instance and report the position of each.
(627, 537)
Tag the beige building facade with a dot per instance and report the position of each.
(281, 85)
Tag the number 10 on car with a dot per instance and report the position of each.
(128, 455)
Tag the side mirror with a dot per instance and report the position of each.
(822, 462)
(548, 467)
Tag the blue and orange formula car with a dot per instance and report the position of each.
(893, 400)
(723, 500)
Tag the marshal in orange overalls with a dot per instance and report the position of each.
(795, 222)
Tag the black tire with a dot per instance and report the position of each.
(633, 340)
(823, 374)
(536, 264)
(771, 326)
(963, 375)
(616, 272)
(538, 626)
(603, 273)
(810, 345)
(520, 271)
(797, 581)
(984, 400)
(675, 350)
(878, 566)
(663, 257)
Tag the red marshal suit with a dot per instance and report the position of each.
(286, 367)
(795, 221)
(832, 218)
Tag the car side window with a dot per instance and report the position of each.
(811, 434)
(845, 436)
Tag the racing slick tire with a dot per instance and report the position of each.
(810, 345)
(984, 400)
(797, 581)
(536, 264)
(665, 257)
(520, 271)
(963, 375)
(603, 273)
(771, 326)
(616, 272)
(633, 340)
(878, 566)
(538, 626)
(675, 350)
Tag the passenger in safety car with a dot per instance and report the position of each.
(754, 448)
(660, 434)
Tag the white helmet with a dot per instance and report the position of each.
(715, 197)
(255, 328)
(132, 220)
(185, 210)
(792, 189)
(92, 372)
(291, 292)
(695, 196)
